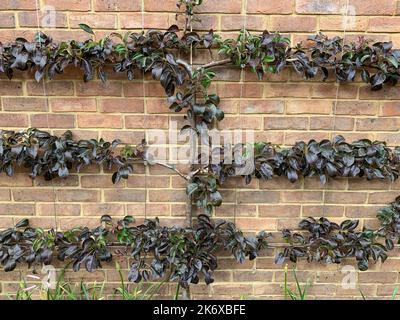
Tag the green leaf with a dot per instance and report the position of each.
(269, 59)
(191, 188)
(393, 61)
(86, 28)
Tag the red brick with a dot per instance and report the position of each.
(52, 121)
(10, 88)
(98, 181)
(237, 22)
(13, 120)
(331, 123)
(140, 21)
(319, 6)
(378, 124)
(307, 106)
(25, 104)
(78, 195)
(356, 108)
(220, 6)
(52, 88)
(233, 90)
(241, 123)
(257, 196)
(30, 19)
(373, 7)
(302, 196)
(99, 121)
(285, 123)
(73, 104)
(95, 21)
(33, 195)
(294, 24)
(256, 224)
(72, 5)
(167, 196)
(125, 195)
(273, 211)
(167, 5)
(146, 122)
(345, 197)
(270, 7)
(390, 109)
(122, 105)
(99, 209)
(11, 209)
(56, 209)
(339, 23)
(7, 20)
(261, 106)
(97, 88)
(18, 5)
(117, 5)
(387, 25)
(287, 90)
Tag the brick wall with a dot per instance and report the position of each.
(282, 109)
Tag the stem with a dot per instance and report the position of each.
(213, 64)
(186, 66)
(178, 287)
(173, 169)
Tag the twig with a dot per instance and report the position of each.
(186, 66)
(213, 64)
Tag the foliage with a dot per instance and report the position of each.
(51, 156)
(299, 293)
(323, 240)
(324, 159)
(178, 254)
(64, 290)
(138, 293)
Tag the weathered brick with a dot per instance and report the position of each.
(149, 122)
(73, 104)
(257, 196)
(313, 107)
(140, 21)
(373, 7)
(78, 195)
(122, 105)
(117, 5)
(7, 20)
(55, 209)
(95, 21)
(380, 24)
(99, 121)
(25, 104)
(293, 23)
(11, 209)
(18, 5)
(261, 106)
(33, 195)
(378, 124)
(345, 197)
(319, 6)
(237, 22)
(99, 209)
(30, 19)
(52, 121)
(72, 5)
(332, 123)
(270, 7)
(125, 195)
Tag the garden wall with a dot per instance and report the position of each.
(282, 109)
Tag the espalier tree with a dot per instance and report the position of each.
(183, 254)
